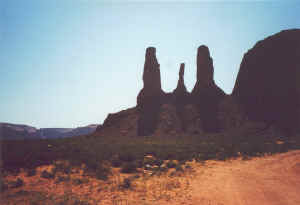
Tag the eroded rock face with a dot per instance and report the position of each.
(206, 95)
(230, 114)
(181, 97)
(267, 84)
(192, 119)
(169, 123)
(123, 123)
(149, 99)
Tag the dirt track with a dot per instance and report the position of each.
(270, 180)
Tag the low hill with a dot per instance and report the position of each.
(9, 131)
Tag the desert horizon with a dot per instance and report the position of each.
(150, 103)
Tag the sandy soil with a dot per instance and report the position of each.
(263, 180)
(270, 180)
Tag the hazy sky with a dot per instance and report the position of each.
(70, 63)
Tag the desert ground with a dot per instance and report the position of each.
(271, 179)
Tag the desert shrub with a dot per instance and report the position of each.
(179, 168)
(61, 179)
(129, 167)
(18, 183)
(158, 162)
(15, 171)
(127, 157)
(171, 164)
(102, 172)
(149, 161)
(187, 166)
(70, 199)
(139, 163)
(126, 184)
(172, 174)
(78, 181)
(64, 167)
(47, 175)
(163, 168)
(31, 172)
(80, 202)
(116, 161)
(3, 186)
(92, 164)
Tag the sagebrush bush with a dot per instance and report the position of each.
(171, 164)
(126, 184)
(116, 161)
(18, 183)
(179, 168)
(129, 167)
(64, 167)
(47, 175)
(3, 186)
(61, 179)
(102, 172)
(31, 172)
(77, 181)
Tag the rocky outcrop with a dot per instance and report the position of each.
(206, 95)
(149, 99)
(123, 123)
(267, 84)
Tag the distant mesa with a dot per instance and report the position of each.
(266, 93)
(9, 131)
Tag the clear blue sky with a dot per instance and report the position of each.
(70, 63)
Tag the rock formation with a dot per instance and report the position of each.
(169, 123)
(206, 95)
(149, 99)
(181, 98)
(267, 84)
(123, 123)
(266, 96)
(180, 93)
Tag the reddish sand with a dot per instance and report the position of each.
(270, 180)
(262, 180)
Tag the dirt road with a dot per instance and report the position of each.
(270, 180)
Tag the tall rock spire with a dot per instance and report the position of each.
(151, 75)
(150, 97)
(206, 94)
(181, 97)
(205, 68)
(180, 85)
